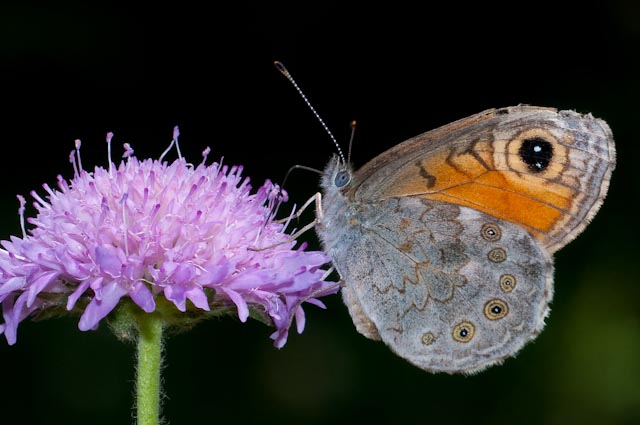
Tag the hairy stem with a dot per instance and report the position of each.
(148, 370)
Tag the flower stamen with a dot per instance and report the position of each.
(174, 141)
(109, 137)
(78, 143)
(123, 202)
(23, 202)
(176, 133)
(205, 153)
(128, 150)
(72, 160)
(41, 201)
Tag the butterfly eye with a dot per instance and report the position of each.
(342, 179)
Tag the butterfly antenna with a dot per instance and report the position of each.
(283, 70)
(353, 133)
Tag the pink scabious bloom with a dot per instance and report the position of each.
(144, 230)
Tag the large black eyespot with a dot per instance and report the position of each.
(536, 152)
(342, 179)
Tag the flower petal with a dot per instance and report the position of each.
(98, 309)
(241, 304)
(300, 319)
(280, 337)
(176, 294)
(10, 285)
(247, 280)
(214, 273)
(142, 296)
(198, 298)
(183, 274)
(14, 312)
(108, 260)
(84, 285)
(39, 283)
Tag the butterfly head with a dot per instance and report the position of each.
(337, 175)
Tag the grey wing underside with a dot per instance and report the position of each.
(448, 288)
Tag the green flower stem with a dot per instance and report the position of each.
(148, 372)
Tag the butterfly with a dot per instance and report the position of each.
(445, 242)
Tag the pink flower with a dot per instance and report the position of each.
(145, 230)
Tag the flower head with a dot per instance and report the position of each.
(149, 232)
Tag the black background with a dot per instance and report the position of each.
(77, 70)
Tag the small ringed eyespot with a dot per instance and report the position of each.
(464, 331)
(507, 282)
(496, 309)
(491, 232)
(428, 338)
(497, 255)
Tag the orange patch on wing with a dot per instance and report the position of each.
(529, 201)
(468, 179)
(537, 189)
(535, 215)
